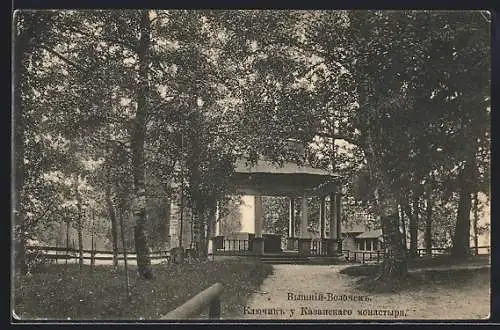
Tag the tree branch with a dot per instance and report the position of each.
(103, 38)
(63, 58)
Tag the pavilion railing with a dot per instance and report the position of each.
(233, 247)
(318, 247)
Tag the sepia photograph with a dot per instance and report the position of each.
(250, 165)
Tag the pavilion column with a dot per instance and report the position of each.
(322, 244)
(332, 241)
(258, 243)
(304, 240)
(333, 217)
(291, 218)
(322, 217)
(338, 209)
(291, 225)
(303, 218)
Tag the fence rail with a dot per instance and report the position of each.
(52, 253)
(377, 256)
(209, 298)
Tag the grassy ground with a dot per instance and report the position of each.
(63, 291)
(426, 273)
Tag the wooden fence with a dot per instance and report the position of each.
(68, 254)
(377, 256)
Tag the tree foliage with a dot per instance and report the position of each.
(140, 105)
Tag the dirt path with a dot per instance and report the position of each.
(321, 292)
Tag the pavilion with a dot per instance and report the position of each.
(265, 178)
(297, 183)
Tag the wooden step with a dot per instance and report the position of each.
(284, 260)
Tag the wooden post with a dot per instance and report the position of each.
(214, 309)
(198, 303)
(57, 245)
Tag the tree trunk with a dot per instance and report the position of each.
(210, 233)
(198, 229)
(125, 261)
(461, 238)
(475, 221)
(428, 226)
(114, 227)
(92, 244)
(79, 219)
(197, 197)
(394, 264)
(164, 226)
(67, 241)
(414, 227)
(403, 225)
(138, 140)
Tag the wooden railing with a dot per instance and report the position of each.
(364, 256)
(377, 256)
(209, 298)
(318, 247)
(235, 245)
(63, 253)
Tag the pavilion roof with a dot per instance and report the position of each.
(288, 179)
(266, 166)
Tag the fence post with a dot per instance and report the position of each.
(363, 257)
(214, 309)
(378, 256)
